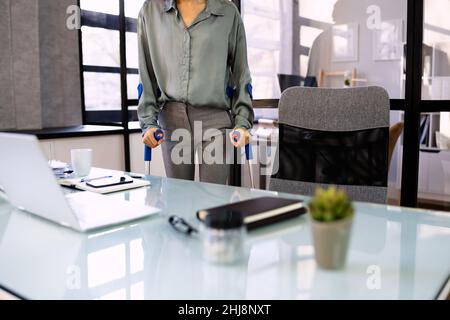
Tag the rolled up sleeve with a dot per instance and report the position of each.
(241, 108)
(148, 108)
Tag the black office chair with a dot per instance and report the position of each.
(287, 81)
(334, 137)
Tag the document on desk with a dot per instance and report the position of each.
(92, 182)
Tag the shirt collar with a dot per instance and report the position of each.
(169, 4)
(212, 6)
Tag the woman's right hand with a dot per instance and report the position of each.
(149, 138)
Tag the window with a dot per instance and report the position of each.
(103, 68)
(342, 44)
(434, 157)
(326, 43)
(295, 38)
(265, 30)
(354, 40)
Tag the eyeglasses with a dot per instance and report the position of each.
(182, 226)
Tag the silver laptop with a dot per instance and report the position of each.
(30, 185)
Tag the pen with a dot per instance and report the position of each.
(73, 187)
(136, 177)
(93, 179)
(182, 226)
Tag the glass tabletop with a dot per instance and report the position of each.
(395, 253)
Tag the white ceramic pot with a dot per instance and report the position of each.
(331, 241)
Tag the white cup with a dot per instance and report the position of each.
(81, 161)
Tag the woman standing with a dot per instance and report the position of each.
(194, 73)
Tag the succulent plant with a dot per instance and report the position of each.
(330, 205)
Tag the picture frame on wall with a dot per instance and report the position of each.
(345, 42)
(388, 41)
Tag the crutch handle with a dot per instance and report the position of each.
(159, 134)
(248, 147)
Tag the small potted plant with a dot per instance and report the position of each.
(331, 215)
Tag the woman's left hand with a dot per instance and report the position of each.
(245, 138)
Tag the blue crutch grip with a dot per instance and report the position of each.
(248, 147)
(248, 152)
(159, 134)
(147, 153)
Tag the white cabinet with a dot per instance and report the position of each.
(434, 174)
(108, 150)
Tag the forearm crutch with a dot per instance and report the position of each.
(159, 134)
(248, 155)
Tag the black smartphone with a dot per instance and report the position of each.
(109, 182)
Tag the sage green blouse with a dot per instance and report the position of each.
(203, 65)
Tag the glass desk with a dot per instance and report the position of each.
(395, 253)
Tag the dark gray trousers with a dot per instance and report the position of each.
(187, 132)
